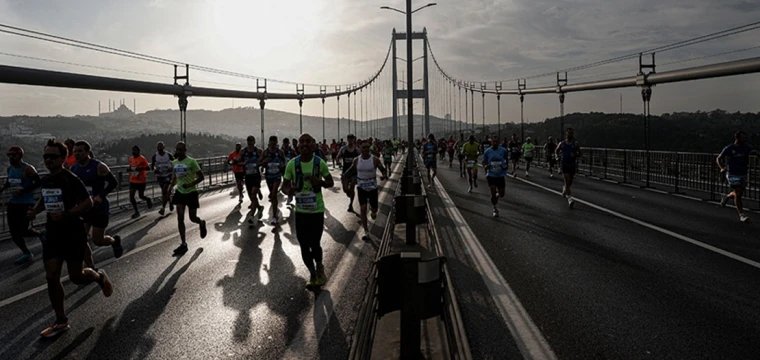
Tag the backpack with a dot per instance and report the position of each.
(299, 173)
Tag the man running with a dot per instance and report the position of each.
(570, 150)
(334, 147)
(395, 147)
(237, 169)
(736, 168)
(450, 149)
(70, 160)
(388, 154)
(515, 152)
(347, 154)
(460, 154)
(442, 148)
(290, 153)
(365, 167)
(305, 177)
(495, 160)
(428, 153)
(95, 175)
(65, 199)
(161, 163)
(187, 175)
(138, 170)
(550, 149)
(471, 151)
(22, 180)
(528, 149)
(249, 159)
(273, 160)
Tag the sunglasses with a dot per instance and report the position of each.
(51, 156)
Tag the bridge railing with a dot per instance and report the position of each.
(678, 172)
(215, 168)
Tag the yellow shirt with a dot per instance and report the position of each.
(471, 150)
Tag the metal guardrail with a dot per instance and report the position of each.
(676, 172)
(215, 168)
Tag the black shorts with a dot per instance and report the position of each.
(67, 243)
(528, 160)
(239, 176)
(164, 180)
(190, 199)
(370, 197)
(309, 228)
(514, 157)
(98, 217)
(551, 160)
(272, 181)
(136, 186)
(498, 181)
(17, 221)
(253, 181)
(569, 169)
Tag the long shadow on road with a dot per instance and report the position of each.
(138, 317)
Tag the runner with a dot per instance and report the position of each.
(273, 160)
(187, 175)
(249, 159)
(402, 146)
(736, 167)
(161, 162)
(334, 147)
(428, 153)
(365, 167)
(515, 151)
(290, 153)
(495, 160)
(550, 148)
(450, 149)
(70, 160)
(295, 147)
(528, 149)
(395, 147)
(388, 154)
(347, 154)
(138, 167)
(65, 199)
(470, 151)
(570, 151)
(95, 174)
(460, 154)
(22, 180)
(442, 149)
(310, 175)
(237, 169)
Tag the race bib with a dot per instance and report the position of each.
(306, 201)
(134, 171)
(470, 164)
(495, 166)
(15, 183)
(430, 158)
(89, 189)
(528, 153)
(735, 180)
(53, 199)
(367, 184)
(181, 170)
(251, 169)
(273, 167)
(163, 168)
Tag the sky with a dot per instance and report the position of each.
(345, 42)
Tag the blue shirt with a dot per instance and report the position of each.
(737, 158)
(569, 152)
(430, 152)
(496, 159)
(17, 181)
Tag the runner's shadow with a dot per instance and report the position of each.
(338, 230)
(332, 343)
(130, 242)
(138, 317)
(231, 223)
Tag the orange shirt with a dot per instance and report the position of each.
(138, 176)
(70, 161)
(235, 168)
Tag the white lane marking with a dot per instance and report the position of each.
(528, 337)
(655, 228)
(306, 342)
(657, 191)
(690, 197)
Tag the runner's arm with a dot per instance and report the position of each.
(153, 162)
(328, 181)
(110, 179)
(31, 173)
(379, 165)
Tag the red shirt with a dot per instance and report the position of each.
(235, 167)
(138, 176)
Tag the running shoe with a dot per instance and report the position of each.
(514, 174)
(150, 203)
(118, 250)
(365, 234)
(430, 186)
(171, 207)
(350, 208)
(570, 201)
(321, 276)
(136, 215)
(527, 174)
(373, 215)
(469, 189)
(723, 200)
(495, 212)
(312, 281)
(105, 284)
(743, 218)
(24, 258)
(203, 229)
(551, 175)
(181, 249)
(161, 211)
(58, 327)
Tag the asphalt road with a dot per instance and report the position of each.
(238, 293)
(646, 276)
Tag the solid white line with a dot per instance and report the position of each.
(306, 341)
(688, 197)
(528, 337)
(657, 191)
(656, 228)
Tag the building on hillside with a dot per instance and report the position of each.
(120, 113)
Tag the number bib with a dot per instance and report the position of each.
(251, 169)
(163, 168)
(273, 167)
(495, 167)
(366, 184)
(470, 164)
(306, 201)
(135, 172)
(430, 158)
(89, 189)
(181, 170)
(15, 183)
(735, 180)
(53, 199)
(528, 153)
